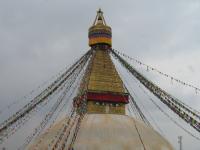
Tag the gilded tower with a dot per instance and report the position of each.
(105, 92)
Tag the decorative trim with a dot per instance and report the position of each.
(108, 97)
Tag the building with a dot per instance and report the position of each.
(105, 126)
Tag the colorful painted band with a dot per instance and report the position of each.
(97, 40)
(100, 32)
(100, 35)
(107, 97)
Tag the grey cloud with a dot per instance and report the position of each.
(39, 38)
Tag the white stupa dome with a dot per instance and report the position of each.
(109, 132)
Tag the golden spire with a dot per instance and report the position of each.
(99, 18)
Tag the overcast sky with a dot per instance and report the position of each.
(39, 38)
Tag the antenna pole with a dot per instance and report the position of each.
(180, 142)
